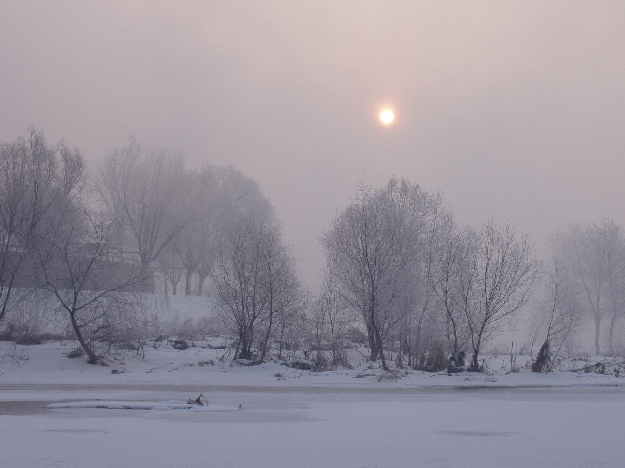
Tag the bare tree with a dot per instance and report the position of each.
(594, 255)
(71, 258)
(331, 318)
(431, 226)
(615, 260)
(239, 281)
(30, 183)
(197, 244)
(172, 270)
(372, 250)
(284, 294)
(452, 279)
(318, 318)
(147, 196)
(559, 314)
(503, 272)
(255, 277)
(72, 263)
(257, 285)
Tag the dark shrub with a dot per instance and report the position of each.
(543, 360)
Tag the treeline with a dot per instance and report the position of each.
(400, 272)
(96, 239)
(427, 288)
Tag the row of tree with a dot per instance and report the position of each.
(398, 266)
(209, 223)
(396, 256)
(587, 277)
(95, 240)
(426, 288)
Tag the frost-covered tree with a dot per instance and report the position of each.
(373, 251)
(34, 179)
(27, 176)
(502, 272)
(452, 280)
(72, 261)
(331, 319)
(255, 276)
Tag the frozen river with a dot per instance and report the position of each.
(313, 427)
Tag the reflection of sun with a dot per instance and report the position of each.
(387, 116)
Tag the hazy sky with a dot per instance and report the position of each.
(515, 111)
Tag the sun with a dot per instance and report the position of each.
(387, 117)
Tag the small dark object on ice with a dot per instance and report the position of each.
(200, 401)
(240, 406)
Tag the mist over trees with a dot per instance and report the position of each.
(255, 276)
(418, 282)
(402, 278)
(594, 257)
(34, 176)
(148, 196)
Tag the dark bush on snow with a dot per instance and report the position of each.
(27, 335)
(456, 362)
(76, 353)
(315, 365)
(355, 335)
(179, 344)
(301, 364)
(433, 360)
(543, 360)
(321, 363)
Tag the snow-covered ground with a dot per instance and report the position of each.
(209, 363)
(56, 411)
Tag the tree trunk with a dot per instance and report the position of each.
(281, 340)
(5, 301)
(245, 352)
(187, 281)
(236, 351)
(611, 334)
(380, 349)
(372, 343)
(474, 364)
(597, 333)
(200, 284)
(93, 358)
(266, 340)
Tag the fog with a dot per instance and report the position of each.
(514, 111)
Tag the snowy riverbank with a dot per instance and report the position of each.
(159, 363)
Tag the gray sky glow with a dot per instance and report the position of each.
(513, 110)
